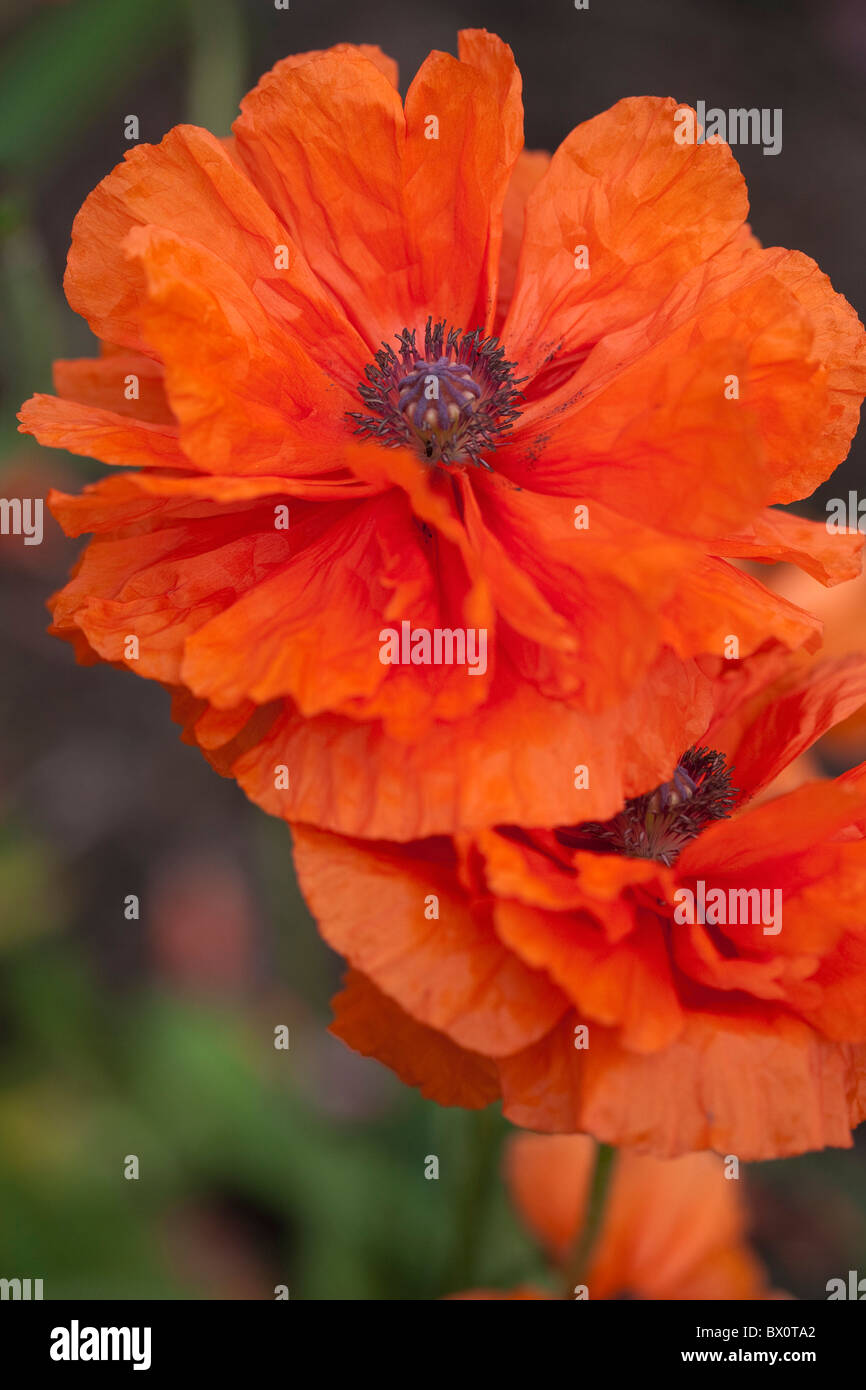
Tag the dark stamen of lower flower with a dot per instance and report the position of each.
(658, 824)
(452, 404)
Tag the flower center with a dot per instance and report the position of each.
(452, 404)
(658, 824)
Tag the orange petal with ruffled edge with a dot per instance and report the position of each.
(313, 630)
(374, 1025)
(755, 1083)
(246, 394)
(190, 186)
(450, 972)
(526, 175)
(794, 348)
(126, 382)
(364, 191)
(656, 442)
(165, 585)
(647, 209)
(603, 587)
(627, 983)
(456, 185)
(839, 347)
(766, 732)
(717, 602)
(513, 761)
(131, 502)
(92, 432)
(779, 536)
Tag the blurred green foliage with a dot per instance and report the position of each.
(61, 69)
(213, 1113)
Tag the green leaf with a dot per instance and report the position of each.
(59, 72)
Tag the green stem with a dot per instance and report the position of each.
(473, 1192)
(578, 1262)
(217, 71)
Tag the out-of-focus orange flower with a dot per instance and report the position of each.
(843, 613)
(658, 368)
(671, 1228)
(689, 974)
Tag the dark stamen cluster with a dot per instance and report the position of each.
(452, 404)
(658, 824)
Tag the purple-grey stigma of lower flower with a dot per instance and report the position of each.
(658, 824)
(452, 405)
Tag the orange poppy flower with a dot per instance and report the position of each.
(367, 367)
(689, 974)
(671, 1229)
